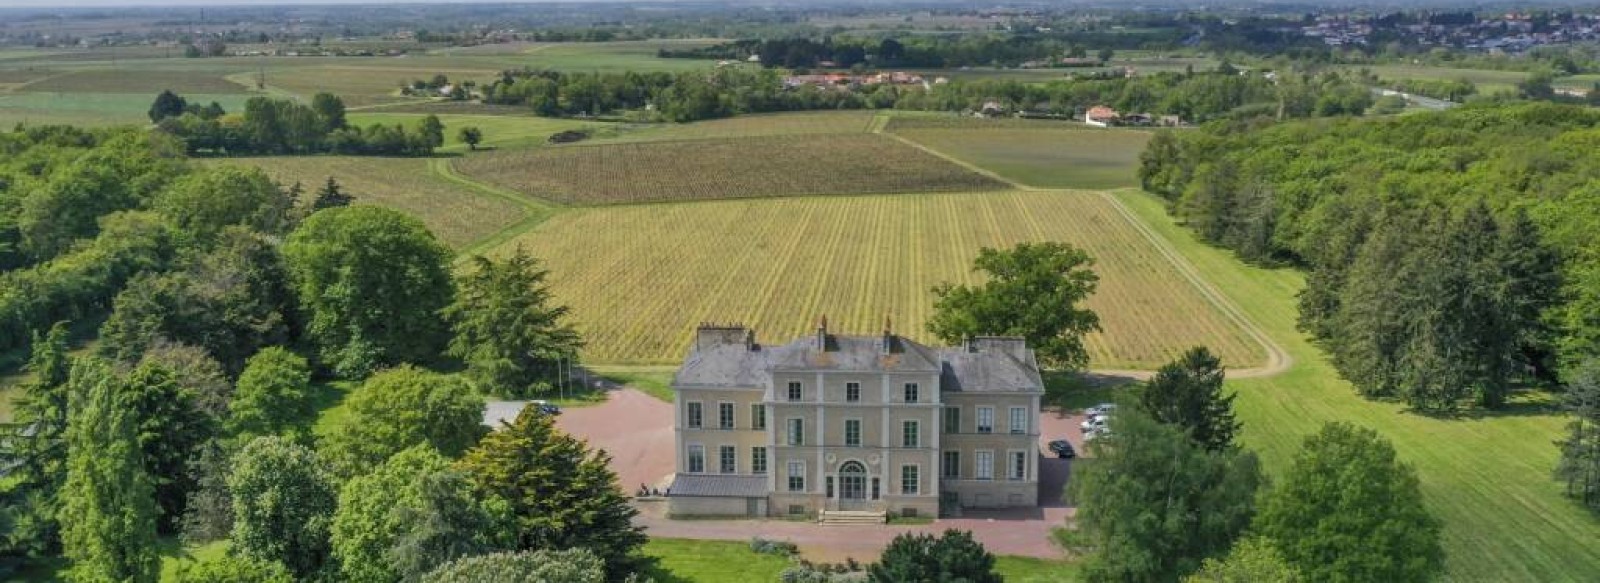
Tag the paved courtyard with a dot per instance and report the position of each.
(636, 429)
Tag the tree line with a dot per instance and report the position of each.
(732, 91)
(1446, 252)
(225, 304)
(920, 51)
(1450, 255)
(270, 126)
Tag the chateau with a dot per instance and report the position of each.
(871, 424)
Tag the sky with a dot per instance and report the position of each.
(126, 3)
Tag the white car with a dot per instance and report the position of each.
(1093, 424)
(1101, 410)
(1096, 434)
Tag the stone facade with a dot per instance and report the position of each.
(875, 423)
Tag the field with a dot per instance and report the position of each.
(746, 126)
(640, 277)
(729, 168)
(136, 81)
(1046, 155)
(366, 83)
(91, 109)
(499, 131)
(457, 214)
(1487, 477)
(1489, 82)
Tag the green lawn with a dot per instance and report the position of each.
(1487, 477)
(708, 561)
(499, 131)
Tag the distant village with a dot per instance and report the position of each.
(1511, 32)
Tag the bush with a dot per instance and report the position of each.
(569, 566)
(763, 546)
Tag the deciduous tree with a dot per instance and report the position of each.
(471, 136)
(400, 408)
(1035, 290)
(273, 395)
(283, 502)
(1153, 504)
(409, 516)
(953, 557)
(171, 430)
(232, 569)
(542, 566)
(1347, 510)
(1252, 560)
(371, 282)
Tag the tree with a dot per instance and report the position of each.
(506, 329)
(1035, 291)
(561, 494)
(330, 196)
(1106, 54)
(371, 282)
(1579, 468)
(108, 510)
(410, 515)
(171, 431)
(330, 110)
(400, 408)
(543, 566)
(232, 569)
(1154, 504)
(283, 501)
(273, 395)
(432, 131)
(1252, 560)
(167, 104)
(471, 136)
(953, 557)
(30, 501)
(204, 202)
(1347, 510)
(209, 514)
(1188, 393)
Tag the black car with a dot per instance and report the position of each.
(1063, 449)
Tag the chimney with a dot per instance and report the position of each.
(822, 333)
(709, 335)
(888, 335)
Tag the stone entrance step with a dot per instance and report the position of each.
(848, 517)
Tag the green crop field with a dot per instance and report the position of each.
(499, 131)
(1044, 154)
(616, 56)
(1488, 81)
(133, 80)
(365, 84)
(640, 277)
(456, 214)
(92, 109)
(727, 168)
(1487, 477)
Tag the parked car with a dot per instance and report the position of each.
(1092, 424)
(1101, 410)
(545, 407)
(1063, 449)
(1094, 434)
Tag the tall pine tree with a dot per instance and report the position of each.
(1579, 467)
(31, 501)
(1188, 393)
(507, 328)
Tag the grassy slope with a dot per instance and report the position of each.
(1488, 478)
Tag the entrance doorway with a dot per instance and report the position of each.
(852, 485)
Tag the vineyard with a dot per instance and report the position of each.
(640, 277)
(745, 126)
(724, 168)
(457, 215)
(1040, 154)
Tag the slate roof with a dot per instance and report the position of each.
(970, 372)
(741, 365)
(719, 486)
